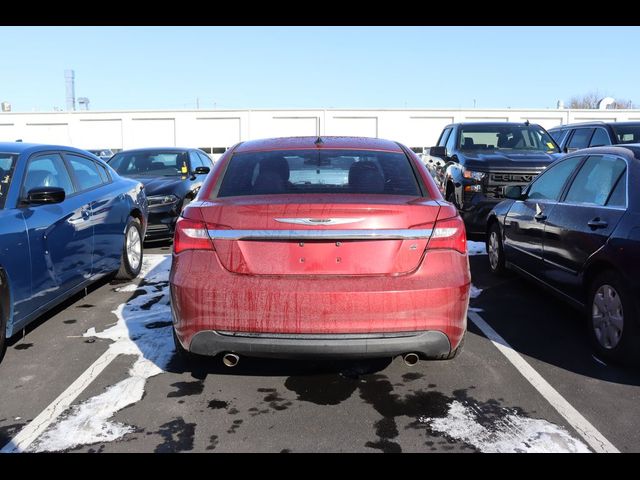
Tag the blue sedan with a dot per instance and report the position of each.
(66, 219)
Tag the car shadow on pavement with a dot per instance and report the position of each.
(539, 325)
(17, 340)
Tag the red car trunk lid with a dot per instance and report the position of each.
(320, 234)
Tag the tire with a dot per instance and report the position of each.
(612, 319)
(495, 250)
(132, 251)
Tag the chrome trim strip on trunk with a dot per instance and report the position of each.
(319, 221)
(376, 234)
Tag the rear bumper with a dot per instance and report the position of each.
(298, 315)
(429, 345)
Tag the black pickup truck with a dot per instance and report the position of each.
(473, 163)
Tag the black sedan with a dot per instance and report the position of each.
(172, 178)
(576, 230)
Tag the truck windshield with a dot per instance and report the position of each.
(506, 137)
(7, 163)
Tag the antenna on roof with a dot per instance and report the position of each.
(319, 141)
(527, 122)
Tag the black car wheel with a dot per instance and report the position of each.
(132, 252)
(495, 249)
(613, 319)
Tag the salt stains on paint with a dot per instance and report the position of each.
(476, 248)
(88, 422)
(510, 434)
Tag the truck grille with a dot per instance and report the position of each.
(495, 182)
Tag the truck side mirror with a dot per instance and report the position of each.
(438, 152)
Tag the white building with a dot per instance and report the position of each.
(216, 130)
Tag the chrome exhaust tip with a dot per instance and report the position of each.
(230, 359)
(410, 359)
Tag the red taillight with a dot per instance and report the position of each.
(191, 235)
(449, 233)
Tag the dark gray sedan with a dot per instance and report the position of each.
(576, 231)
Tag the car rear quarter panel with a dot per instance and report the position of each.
(15, 261)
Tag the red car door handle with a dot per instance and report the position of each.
(597, 223)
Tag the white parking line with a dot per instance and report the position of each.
(588, 432)
(52, 413)
(28, 434)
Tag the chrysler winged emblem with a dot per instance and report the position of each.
(319, 221)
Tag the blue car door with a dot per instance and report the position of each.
(108, 212)
(60, 235)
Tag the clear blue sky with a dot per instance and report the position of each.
(316, 67)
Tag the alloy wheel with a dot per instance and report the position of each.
(134, 248)
(607, 316)
(494, 250)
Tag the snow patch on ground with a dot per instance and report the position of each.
(131, 287)
(476, 248)
(133, 334)
(510, 434)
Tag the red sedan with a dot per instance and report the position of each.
(328, 246)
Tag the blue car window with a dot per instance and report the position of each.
(7, 163)
(85, 171)
(47, 170)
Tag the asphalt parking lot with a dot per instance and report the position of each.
(99, 374)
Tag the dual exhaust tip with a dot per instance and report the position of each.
(231, 359)
(410, 359)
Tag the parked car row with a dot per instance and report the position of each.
(71, 218)
(329, 246)
(557, 212)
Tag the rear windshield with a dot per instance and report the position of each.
(319, 171)
(150, 163)
(7, 163)
(627, 133)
